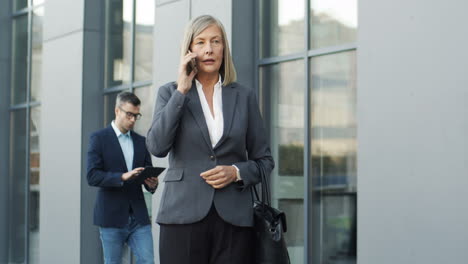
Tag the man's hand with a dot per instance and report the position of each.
(132, 174)
(152, 182)
(220, 176)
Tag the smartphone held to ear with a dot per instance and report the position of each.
(191, 65)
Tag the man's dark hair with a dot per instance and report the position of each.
(127, 97)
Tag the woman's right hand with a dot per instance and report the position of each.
(184, 81)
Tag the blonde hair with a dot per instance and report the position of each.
(194, 28)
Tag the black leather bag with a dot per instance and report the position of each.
(270, 224)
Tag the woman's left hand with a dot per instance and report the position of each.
(220, 176)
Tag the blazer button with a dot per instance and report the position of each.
(212, 157)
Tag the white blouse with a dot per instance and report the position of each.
(215, 124)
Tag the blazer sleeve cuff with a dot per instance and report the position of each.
(117, 179)
(249, 172)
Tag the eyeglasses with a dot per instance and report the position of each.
(129, 115)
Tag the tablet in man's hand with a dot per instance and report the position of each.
(151, 172)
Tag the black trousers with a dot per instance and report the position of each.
(210, 241)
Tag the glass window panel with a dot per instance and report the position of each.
(34, 183)
(19, 71)
(118, 39)
(36, 60)
(281, 27)
(332, 22)
(109, 108)
(147, 97)
(19, 4)
(18, 194)
(333, 161)
(38, 2)
(143, 69)
(284, 84)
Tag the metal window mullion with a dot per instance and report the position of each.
(18, 106)
(20, 12)
(132, 46)
(278, 59)
(132, 73)
(28, 115)
(307, 138)
(141, 84)
(34, 104)
(310, 53)
(257, 52)
(117, 88)
(332, 49)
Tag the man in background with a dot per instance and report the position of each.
(116, 157)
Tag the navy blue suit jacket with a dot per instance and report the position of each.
(106, 164)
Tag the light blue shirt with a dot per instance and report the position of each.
(126, 144)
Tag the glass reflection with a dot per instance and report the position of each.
(109, 108)
(147, 97)
(284, 85)
(332, 22)
(281, 27)
(19, 4)
(34, 181)
(143, 69)
(36, 60)
(118, 42)
(38, 2)
(333, 161)
(17, 214)
(19, 70)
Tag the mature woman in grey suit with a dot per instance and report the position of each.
(213, 131)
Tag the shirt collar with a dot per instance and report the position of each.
(117, 130)
(217, 85)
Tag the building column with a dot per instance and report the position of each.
(5, 62)
(71, 108)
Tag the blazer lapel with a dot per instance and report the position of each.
(116, 145)
(136, 146)
(229, 106)
(194, 105)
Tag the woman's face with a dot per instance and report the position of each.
(209, 48)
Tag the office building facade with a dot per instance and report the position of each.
(364, 104)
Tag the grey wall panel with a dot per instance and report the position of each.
(167, 39)
(62, 17)
(61, 137)
(412, 127)
(221, 9)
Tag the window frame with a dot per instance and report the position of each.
(28, 105)
(264, 95)
(132, 84)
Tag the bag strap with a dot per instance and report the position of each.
(266, 199)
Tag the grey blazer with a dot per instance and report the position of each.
(179, 128)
